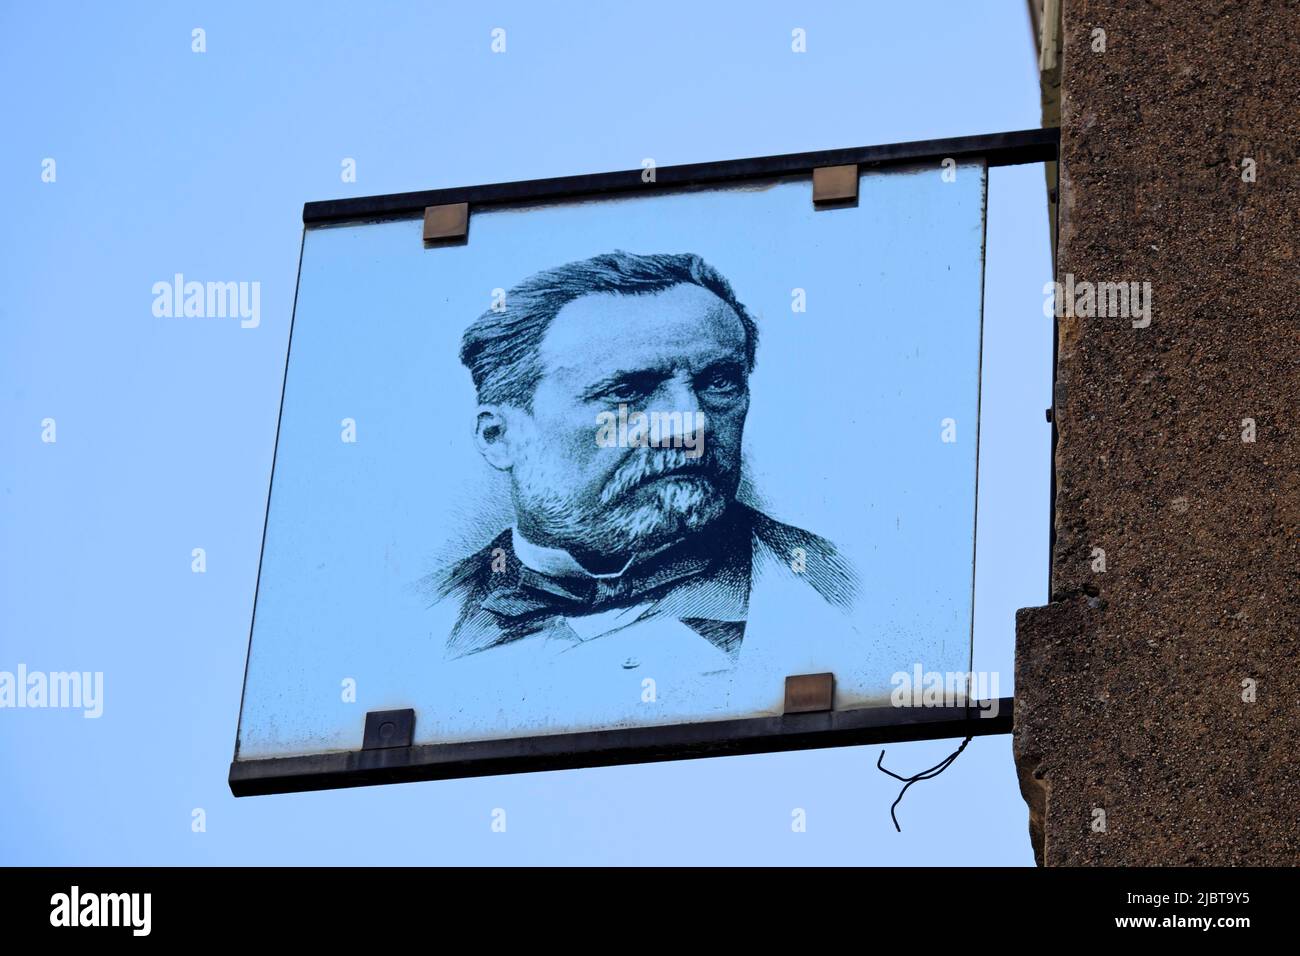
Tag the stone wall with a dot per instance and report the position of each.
(1137, 741)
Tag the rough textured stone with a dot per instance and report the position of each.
(1129, 684)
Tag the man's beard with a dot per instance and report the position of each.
(633, 511)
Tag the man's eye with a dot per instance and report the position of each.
(723, 382)
(622, 393)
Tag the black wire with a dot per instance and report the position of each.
(923, 775)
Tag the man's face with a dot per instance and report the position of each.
(679, 351)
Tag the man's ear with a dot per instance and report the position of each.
(495, 437)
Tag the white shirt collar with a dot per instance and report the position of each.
(556, 562)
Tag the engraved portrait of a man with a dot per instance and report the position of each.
(613, 392)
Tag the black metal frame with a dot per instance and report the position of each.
(997, 149)
(602, 748)
(653, 743)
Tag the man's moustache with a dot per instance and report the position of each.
(647, 467)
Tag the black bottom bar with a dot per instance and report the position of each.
(932, 911)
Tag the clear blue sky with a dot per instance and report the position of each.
(173, 161)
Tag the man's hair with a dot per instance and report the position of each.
(500, 347)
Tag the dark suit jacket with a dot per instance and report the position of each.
(703, 580)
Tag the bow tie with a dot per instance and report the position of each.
(537, 596)
(535, 593)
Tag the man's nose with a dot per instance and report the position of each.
(680, 401)
(678, 395)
